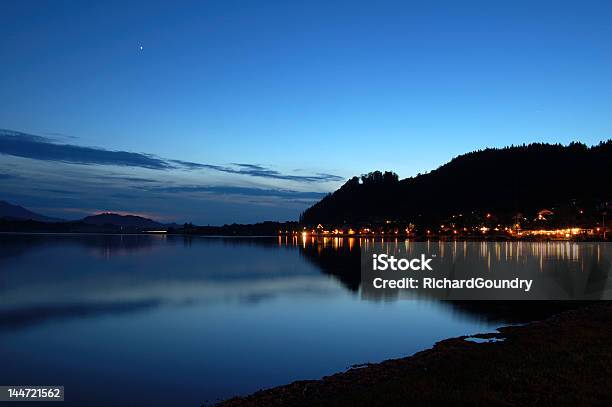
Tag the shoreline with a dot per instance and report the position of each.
(432, 238)
(565, 359)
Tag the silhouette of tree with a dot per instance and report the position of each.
(504, 181)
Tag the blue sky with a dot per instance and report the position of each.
(279, 102)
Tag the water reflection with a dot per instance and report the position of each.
(45, 277)
(340, 257)
(571, 266)
(179, 320)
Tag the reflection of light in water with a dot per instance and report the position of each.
(541, 263)
(493, 253)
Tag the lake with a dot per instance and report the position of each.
(172, 320)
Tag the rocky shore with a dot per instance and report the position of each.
(564, 360)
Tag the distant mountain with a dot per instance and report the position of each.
(126, 221)
(16, 212)
(507, 181)
(15, 218)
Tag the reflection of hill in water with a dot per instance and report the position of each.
(104, 245)
(47, 277)
(342, 261)
(336, 257)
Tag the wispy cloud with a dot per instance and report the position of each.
(129, 179)
(41, 148)
(255, 170)
(195, 166)
(204, 193)
(59, 191)
(46, 149)
(231, 190)
(250, 166)
(60, 136)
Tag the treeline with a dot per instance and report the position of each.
(258, 229)
(506, 181)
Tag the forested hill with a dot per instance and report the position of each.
(507, 181)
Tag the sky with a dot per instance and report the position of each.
(233, 111)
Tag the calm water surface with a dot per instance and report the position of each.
(156, 320)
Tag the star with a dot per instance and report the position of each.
(140, 48)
